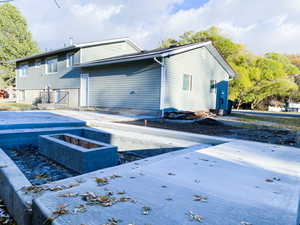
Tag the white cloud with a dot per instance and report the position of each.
(263, 25)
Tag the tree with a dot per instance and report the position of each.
(15, 41)
(225, 45)
(294, 59)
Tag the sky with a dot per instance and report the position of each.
(262, 25)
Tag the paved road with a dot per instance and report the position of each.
(257, 113)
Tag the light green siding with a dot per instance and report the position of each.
(106, 51)
(127, 85)
(203, 67)
(37, 78)
(67, 77)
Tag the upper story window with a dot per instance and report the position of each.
(51, 65)
(187, 82)
(23, 70)
(70, 59)
(37, 63)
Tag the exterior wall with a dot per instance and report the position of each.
(106, 51)
(37, 78)
(203, 67)
(33, 96)
(30, 96)
(133, 85)
(67, 77)
(73, 97)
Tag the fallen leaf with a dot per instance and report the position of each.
(200, 198)
(101, 181)
(114, 176)
(194, 217)
(61, 210)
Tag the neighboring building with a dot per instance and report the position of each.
(191, 77)
(50, 77)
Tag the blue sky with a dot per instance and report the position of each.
(262, 25)
(189, 4)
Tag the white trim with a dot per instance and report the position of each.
(87, 103)
(89, 44)
(222, 62)
(134, 45)
(190, 80)
(162, 84)
(188, 48)
(68, 59)
(80, 56)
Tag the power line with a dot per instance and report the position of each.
(57, 4)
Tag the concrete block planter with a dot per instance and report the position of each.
(12, 180)
(77, 153)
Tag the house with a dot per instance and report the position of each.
(191, 77)
(50, 77)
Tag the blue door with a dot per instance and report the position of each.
(222, 92)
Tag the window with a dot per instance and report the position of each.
(37, 63)
(187, 82)
(23, 70)
(51, 65)
(70, 59)
(213, 85)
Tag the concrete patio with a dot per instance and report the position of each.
(231, 182)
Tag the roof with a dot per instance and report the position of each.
(162, 52)
(77, 46)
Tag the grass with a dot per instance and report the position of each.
(15, 107)
(281, 122)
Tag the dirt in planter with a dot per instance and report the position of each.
(5, 218)
(37, 168)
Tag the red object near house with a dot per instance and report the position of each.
(3, 94)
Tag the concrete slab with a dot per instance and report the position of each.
(22, 120)
(239, 182)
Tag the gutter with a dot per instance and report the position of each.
(162, 84)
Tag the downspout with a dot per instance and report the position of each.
(162, 84)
